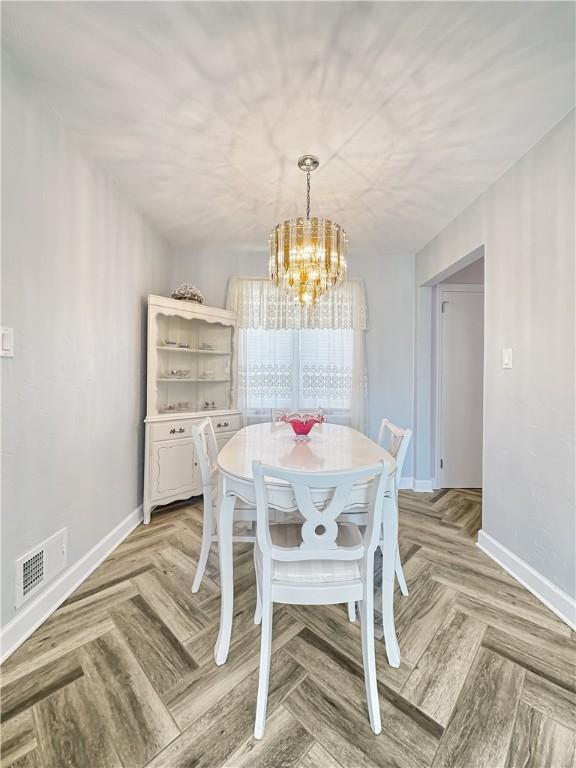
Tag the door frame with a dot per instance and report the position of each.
(440, 288)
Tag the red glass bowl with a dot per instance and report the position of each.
(302, 423)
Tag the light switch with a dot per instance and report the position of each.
(507, 358)
(7, 346)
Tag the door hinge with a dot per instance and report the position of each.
(441, 463)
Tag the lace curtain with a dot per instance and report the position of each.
(258, 303)
(290, 357)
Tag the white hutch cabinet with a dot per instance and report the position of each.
(189, 377)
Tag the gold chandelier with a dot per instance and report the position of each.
(307, 256)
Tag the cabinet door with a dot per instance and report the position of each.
(173, 469)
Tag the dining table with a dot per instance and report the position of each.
(330, 448)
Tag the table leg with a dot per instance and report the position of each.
(225, 557)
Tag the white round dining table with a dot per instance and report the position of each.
(330, 448)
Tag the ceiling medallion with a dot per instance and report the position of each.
(307, 256)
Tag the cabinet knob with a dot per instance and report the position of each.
(180, 431)
(222, 424)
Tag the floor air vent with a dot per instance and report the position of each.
(37, 567)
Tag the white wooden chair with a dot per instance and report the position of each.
(395, 440)
(206, 449)
(317, 561)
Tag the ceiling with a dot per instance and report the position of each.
(200, 110)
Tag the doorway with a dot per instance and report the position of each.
(459, 382)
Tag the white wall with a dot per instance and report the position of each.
(78, 263)
(526, 223)
(473, 274)
(389, 342)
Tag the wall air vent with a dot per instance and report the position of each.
(32, 572)
(38, 566)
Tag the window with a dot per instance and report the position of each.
(295, 358)
(298, 369)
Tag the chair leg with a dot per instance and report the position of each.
(390, 639)
(352, 611)
(207, 523)
(258, 611)
(400, 576)
(265, 653)
(389, 552)
(368, 653)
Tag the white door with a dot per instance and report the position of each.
(460, 383)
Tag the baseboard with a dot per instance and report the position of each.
(38, 610)
(410, 484)
(554, 598)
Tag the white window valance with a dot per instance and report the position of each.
(258, 303)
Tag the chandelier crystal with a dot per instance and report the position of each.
(307, 255)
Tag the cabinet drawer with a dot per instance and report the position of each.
(170, 429)
(230, 423)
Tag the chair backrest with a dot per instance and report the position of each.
(395, 440)
(206, 449)
(321, 497)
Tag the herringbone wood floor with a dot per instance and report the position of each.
(122, 675)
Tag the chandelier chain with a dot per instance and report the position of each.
(308, 196)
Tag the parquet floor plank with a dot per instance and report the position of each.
(115, 570)
(333, 669)
(29, 760)
(556, 665)
(342, 731)
(125, 700)
(481, 725)
(437, 679)
(18, 737)
(498, 591)
(201, 645)
(317, 757)
(212, 683)
(41, 649)
(420, 616)
(507, 617)
(286, 742)
(178, 608)
(25, 691)
(226, 722)
(553, 701)
(538, 742)
(345, 636)
(71, 731)
(162, 657)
